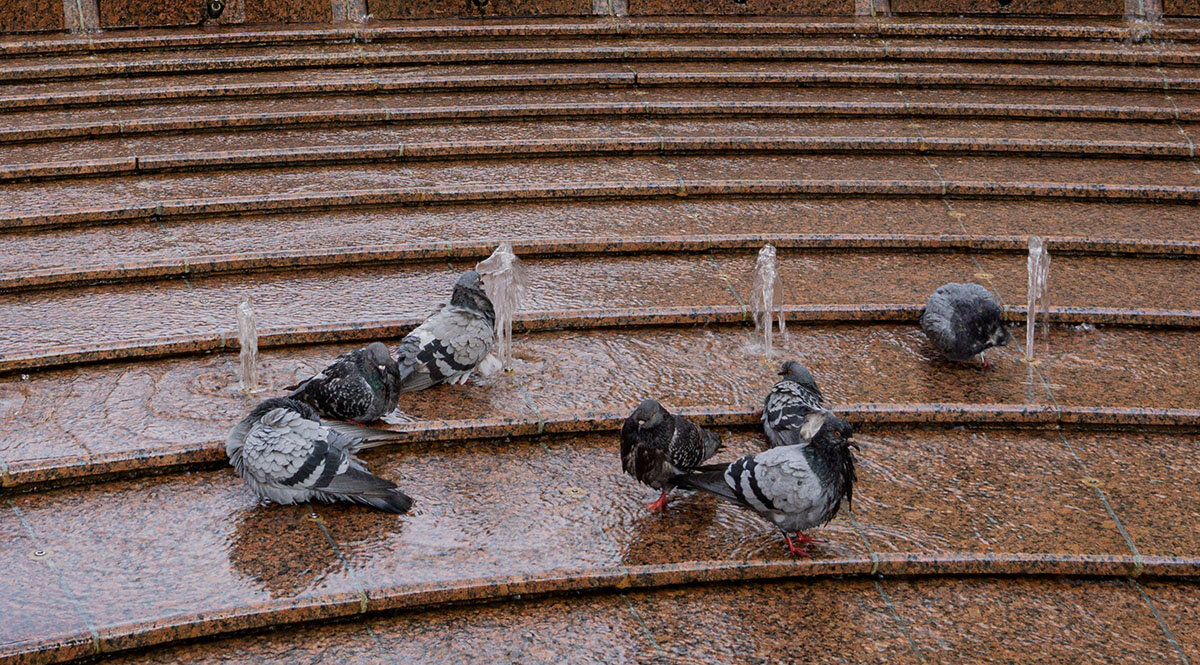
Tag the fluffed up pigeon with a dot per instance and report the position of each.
(964, 320)
(452, 342)
(657, 446)
(286, 455)
(360, 386)
(793, 487)
(789, 403)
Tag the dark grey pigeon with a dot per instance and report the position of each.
(964, 320)
(361, 385)
(452, 342)
(656, 446)
(286, 455)
(789, 403)
(793, 487)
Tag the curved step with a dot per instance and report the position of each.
(1083, 227)
(217, 562)
(410, 151)
(132, 320)
(857, 617)
(172, 209)
(77, 422)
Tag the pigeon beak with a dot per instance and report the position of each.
(851, 443)
(641, 423)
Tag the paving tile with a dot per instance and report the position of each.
(983, 491)
(1078, 219)
(37, 612)
(804, 167)
(79, 247)
(779, 622)
(1029, 621)
(1120, 367)
(1054, 131)
(152, 553)
(327, 644)
(1066, 170)
(1179, 605)
(612, 370)
(1099, 281)
(1150, 481)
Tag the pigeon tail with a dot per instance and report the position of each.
(367, 437)
(395, 502)
(709, 478)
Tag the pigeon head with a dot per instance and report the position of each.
(469, 293)
(268, 405)
(649, 414)
(794, 371)
(1000, 335)
(378, 360)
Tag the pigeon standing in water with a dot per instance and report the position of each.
(964, 320)
(793, 487)
(286, 456)
(360, 386)
(656, 446)
(789, 403)
(452, 342)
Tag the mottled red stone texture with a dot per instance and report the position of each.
(31, 15)
(1181, 7)
(1017, 7)
(288, 11)
(142, 13)
(746, 8)
(391, 9)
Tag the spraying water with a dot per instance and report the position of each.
(764, 294)
(248, 345)
(505, 282)
(1039, 273)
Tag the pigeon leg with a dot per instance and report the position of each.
(801, 550)
(804, 540)
(661, 504)
(987, 364)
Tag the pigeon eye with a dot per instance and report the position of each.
(837, 432)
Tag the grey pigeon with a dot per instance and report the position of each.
(789, 403)
(452, 342)
(656, 446)
(793, 487)
(287, 456)
(964, 320)
(360, 386)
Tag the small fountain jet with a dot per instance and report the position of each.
(766, 296)
(1038, 264)
(964, 320)
(505, 282)
(247, 346)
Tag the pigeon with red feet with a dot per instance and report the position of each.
(794, 487)
(657, 446)
(789, 403)
(964, 320)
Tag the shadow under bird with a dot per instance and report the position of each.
(360, 386)
(452, 342)
(657, 446)
(793, 487)
(964, 320)
(789, 403)
(286, 455)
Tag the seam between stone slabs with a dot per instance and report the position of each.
(1138, 564)
(616, 554)
(904, 629)
(645, 629)
(315, 517)
(81, 614)
(1162, 623)
(1183, 130)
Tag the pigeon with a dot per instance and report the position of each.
(788, 403)
(360, 386)
(286, 455)
(963, 320)
(793, 487)
(452, 342)
(656, 446)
